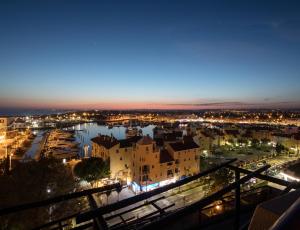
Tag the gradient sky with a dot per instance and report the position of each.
(149, 54)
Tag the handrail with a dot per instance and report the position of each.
(205, 201)
(288, 218)
(56, 221)
(56, 199)
(261, 176)
(149, 223)
(126, 202)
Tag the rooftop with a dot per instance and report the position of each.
(179, 146)
(233, 132)
(146, 140)
(165, 156)
(125, 143)
(105, 141)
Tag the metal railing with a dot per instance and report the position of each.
(94, 218)
(57, 199)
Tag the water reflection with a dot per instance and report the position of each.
(84, 133)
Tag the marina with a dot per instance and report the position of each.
(84, 133)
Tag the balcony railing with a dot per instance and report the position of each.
(97, 217)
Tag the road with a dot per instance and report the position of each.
(187, 195)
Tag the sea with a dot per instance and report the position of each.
(30, 112)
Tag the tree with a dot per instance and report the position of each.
(108, 192)
(91, 169)
(265, 141)
(242, 141)
(35, 181)
(119, 190)
(255, 142)
(220, 178)
(279, 148)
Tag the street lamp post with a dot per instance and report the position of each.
(10, 168)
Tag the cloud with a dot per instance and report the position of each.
(196, 104)
(243, 105)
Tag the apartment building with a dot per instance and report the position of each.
(143, 165)
(5, 123)
(186, 156)
(103, 146)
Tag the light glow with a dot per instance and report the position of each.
(286, 176)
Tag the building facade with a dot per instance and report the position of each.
(142, 164)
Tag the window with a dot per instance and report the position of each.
(120, 158)
(153, 166)
(117, 150)
(146, 169)
(176, 170)
(125, 150)
(145, 177)
(147, 149)
(169, 172)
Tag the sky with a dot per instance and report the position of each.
(149, 54)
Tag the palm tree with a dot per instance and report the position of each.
(108, 192)
(119, 189)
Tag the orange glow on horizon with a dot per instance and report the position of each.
(129, 105)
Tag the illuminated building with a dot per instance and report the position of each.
(103, 145)
(185, 153)
(142, 164)
(5, 125)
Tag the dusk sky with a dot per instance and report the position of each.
(149, 54)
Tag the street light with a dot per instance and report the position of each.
(10, 168)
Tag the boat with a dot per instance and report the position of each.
(133, 131)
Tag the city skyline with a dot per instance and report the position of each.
(142, 55)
